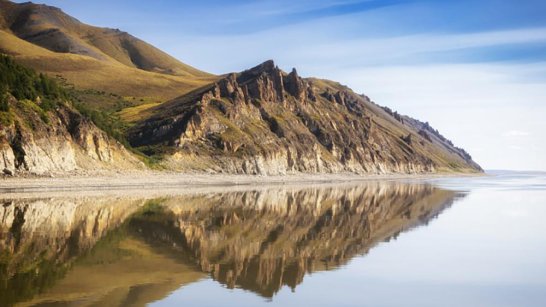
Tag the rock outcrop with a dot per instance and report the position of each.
(265, 121)
(61, 140)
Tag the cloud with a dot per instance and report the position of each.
(313, 46)
(370, 51)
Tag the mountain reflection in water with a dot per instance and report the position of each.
(131, 251)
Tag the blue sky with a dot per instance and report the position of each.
(475, 69)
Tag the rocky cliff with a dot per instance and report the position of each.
(266, 121)
(59, 140)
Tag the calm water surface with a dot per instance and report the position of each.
(445, 242)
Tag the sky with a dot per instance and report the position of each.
(474, 69)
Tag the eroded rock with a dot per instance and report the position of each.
(268, 122)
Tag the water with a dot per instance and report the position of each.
(445, 242)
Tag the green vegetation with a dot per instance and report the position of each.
(38, 94)
(35, 92)
(29, 108)
(136, 113)
(115, 127)
(108, 122)
(6, 118)
(4, 105)
(106, 111)
(25, 83)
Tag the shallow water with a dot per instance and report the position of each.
(477, 241)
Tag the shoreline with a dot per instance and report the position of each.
(162, 180)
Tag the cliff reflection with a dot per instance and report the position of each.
(134, 251)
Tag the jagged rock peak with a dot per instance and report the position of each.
(295, 85)
(294, 72)
(267, 67)
(267, 82)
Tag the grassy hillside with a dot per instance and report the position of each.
(36, 92)
(103, 59)
(26, 85)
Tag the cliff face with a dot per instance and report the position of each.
(60, 140)
(265, 121)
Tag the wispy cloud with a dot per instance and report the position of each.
(371, 51)
(312, 45)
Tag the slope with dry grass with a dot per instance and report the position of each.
(47, 39)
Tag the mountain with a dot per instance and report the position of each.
(266, 121)
(121, 90)
(47, 39)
